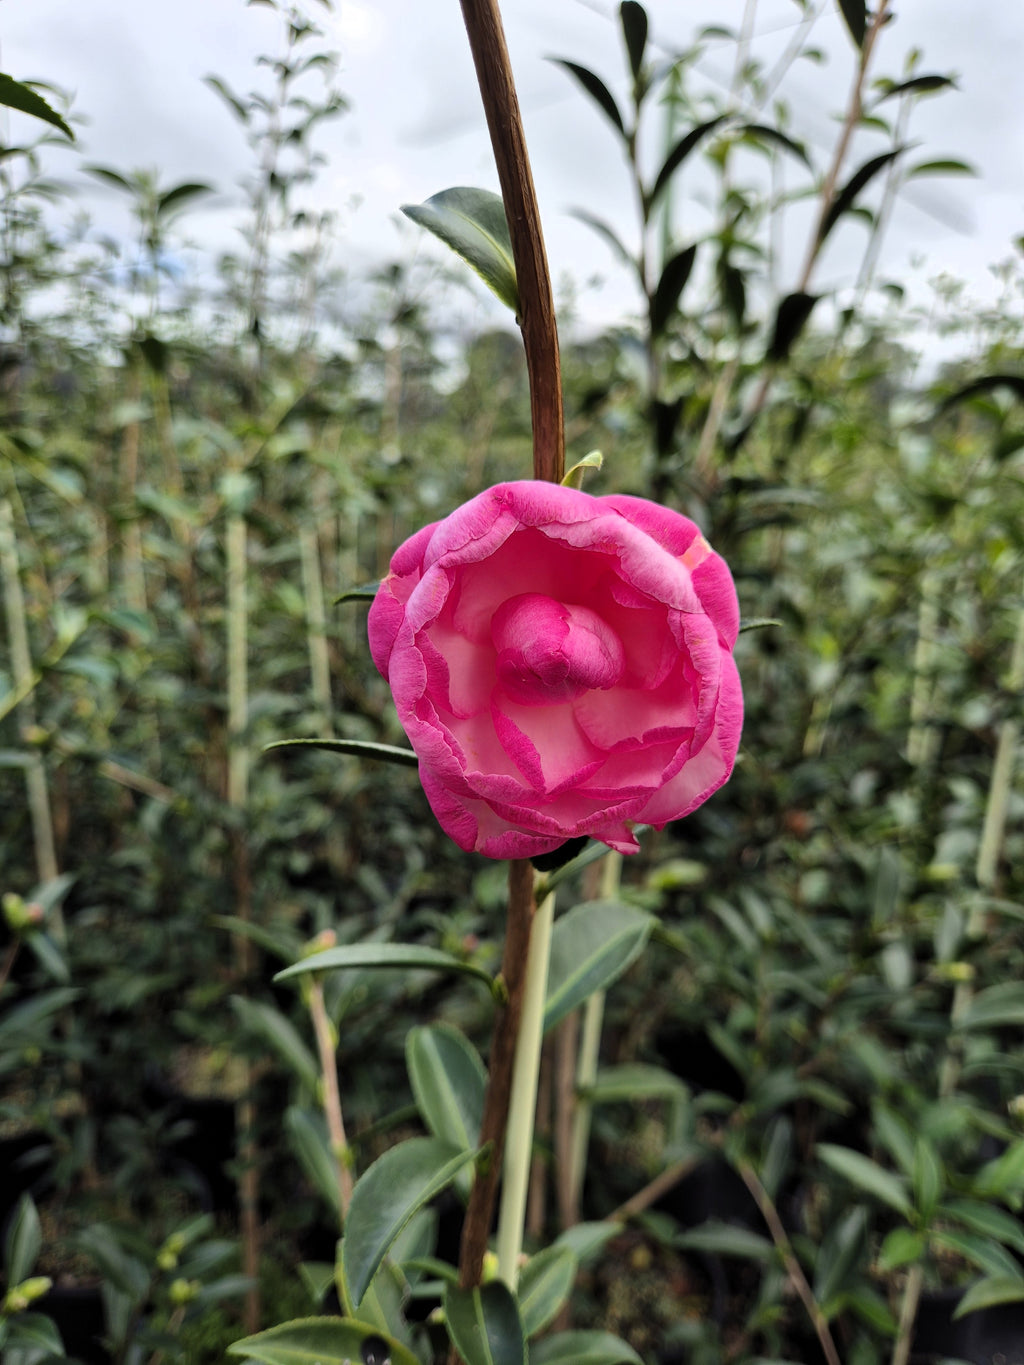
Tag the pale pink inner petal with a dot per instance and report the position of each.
(552, 651)
(625, 715)
(565, 754)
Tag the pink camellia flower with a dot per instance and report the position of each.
(562, 665)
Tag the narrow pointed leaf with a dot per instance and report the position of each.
(724, 1239)
(395, 956)
(996, 1007)
(308, 1136)
(359, 748)
(602, 229)
(790, 320)
(16, 95)
(485, 1325)
(867, 1175)
(583, 1348)
(544, 1286)
(323, 1341)
(764, 132)
(23, 1242)
(670, 287)
(633, 18)
(678, 155)
(861, 178)
(945, 166)
(855, 13)
(448, 1081)
(990, 1291)
(597, 90)
(919, 85)
(280, 1034)
(386, 1197)
(985, 384)
(366, 593)
(591, 947)
(635, 1081)
(472, 222)
(573, 477)
(179, 195)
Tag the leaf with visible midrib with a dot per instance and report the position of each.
(15, 95)
(318, 1341)
(472, 222)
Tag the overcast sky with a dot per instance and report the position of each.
(416, 125)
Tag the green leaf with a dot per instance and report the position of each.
(943, 166)
(573, 477)
(841, 1250)
(386, 1197)
(485, 1325)
(986, 384)
(790, 319)
(986, 1219)
(724, 1239)
(1002, 1178)
(16, 95)
(867, 1175)
(360, 748)
(671, 285)
(544, 1285)
(927, 1177)
(35, 1332)
(861, 178)
(591, 946)
(394, 956)
(448, 1081)
(918, 85)
(635, 1081)
(23, 1241)
(990, 1291)
(585, 1240)
(633, 18)
(988, 1256)
(279, 1033)
(902, 1246)
(765, 133)
(996, 1007)
(583, 1348)
(596, 89)
(308, 1134)
(472, 222)
(855, 14)
(678, 155)
(176, 198)
(759, 623)
(602, 229)
(322, 1341)
(366, 593)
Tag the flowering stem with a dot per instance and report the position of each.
(536, 300)
(523, 1100)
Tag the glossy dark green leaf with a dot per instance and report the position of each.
(385, 1198)
(790, 319)
(473, 223)
(943, 166)
(448, 1081)
(678, 155)
(591, 946)
(671, 285)
(485, 1325)
(359, 748)
(859, 181)
(15, 95)
(323, 1341)
(391, 956)
(633, 18)
(545, 1284)
(596, 89)
(855, 14)
(583, 1348)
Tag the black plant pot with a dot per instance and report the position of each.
(991, 1336)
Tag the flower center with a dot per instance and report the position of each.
(550, 651)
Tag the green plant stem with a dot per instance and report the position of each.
(794, 1270)
(586, 1065)
(480, 1209)
(24, 680)
(328, 1049)
(536, 300)
(316, 625)
(908, 1315)
(523, 1106)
